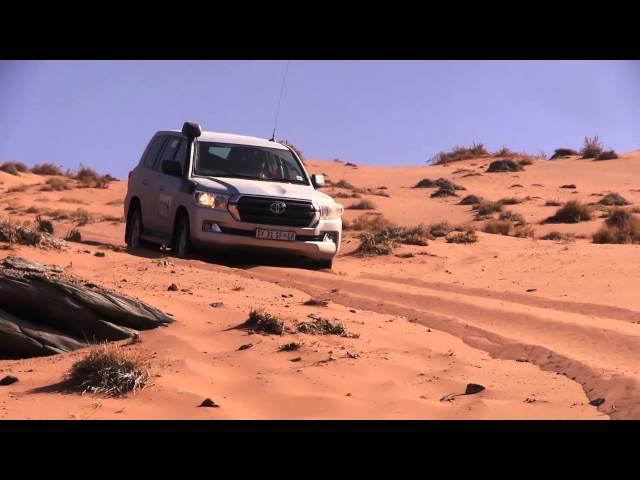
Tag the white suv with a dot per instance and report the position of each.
(195, 189)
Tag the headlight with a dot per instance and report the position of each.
(216, 201)
(334, 210)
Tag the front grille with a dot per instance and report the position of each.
(297, 213)
(252, 233)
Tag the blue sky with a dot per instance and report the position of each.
(102, 113)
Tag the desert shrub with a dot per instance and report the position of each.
(362, 205)
(346, 195)
(509, 201)
(486, 207)
(523, 162)
(613, 199)
(500, 227)
(383, 241)
(46, 169)
(369, 221)
(504, 166)
(26, 235)
(592, 147)
(607, 155)
(524, 231)
(264, 322)
(470, 200)
(110, 370)
(505, 152)
(17, 189)
(74, 236)
(88, 177)
(571, 212)
(80, 216)
(563, 152)
(13, 168)
(467, 236)
(441, 229)
(514, 217)
(343, 184)
(558, 236)
(622, 226)
(460, 153)
(440, 182)
(43, 225)
(322, 326)
(55, 185)
(444, 192)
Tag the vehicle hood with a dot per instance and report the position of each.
(234, 186)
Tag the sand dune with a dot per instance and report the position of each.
(546, 326)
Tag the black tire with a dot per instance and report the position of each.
(324, 264)
(181, 244)
(134, 228)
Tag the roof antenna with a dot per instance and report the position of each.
(275, 123)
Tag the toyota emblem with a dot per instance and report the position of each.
(278, 208)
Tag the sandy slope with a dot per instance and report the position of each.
(545, 326)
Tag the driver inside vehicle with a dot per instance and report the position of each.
(270, 169)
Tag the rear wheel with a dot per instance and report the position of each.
(133, 232)
(181, 245)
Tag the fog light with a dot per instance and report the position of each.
(210, 227)
(330, 237)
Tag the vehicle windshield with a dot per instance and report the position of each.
(246, 161)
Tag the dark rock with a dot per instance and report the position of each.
(99, 254)
(246, 346)
(596, 402)
(173, 288)
(208, 403)
(216, 304)
(473, 388)
(8, 380)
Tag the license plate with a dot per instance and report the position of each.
(275, 235)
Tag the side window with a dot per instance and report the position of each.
(152, 152)
(169, 151)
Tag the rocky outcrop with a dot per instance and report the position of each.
(44, 311)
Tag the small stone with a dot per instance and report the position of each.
(246, 346)
(173, 288)
(216, 304)
(99, 254)
(596, 402)
(349, 394)
(353, 310)
(8, 380)
(207, 402)
(296, 359)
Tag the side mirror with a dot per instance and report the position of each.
(169, 167)
(191, 130)
(317, 180)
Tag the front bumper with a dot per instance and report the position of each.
(241, 235)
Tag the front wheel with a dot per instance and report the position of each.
(324, 264)
(182, 238)
(134, 229)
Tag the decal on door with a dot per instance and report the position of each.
(165, 205)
